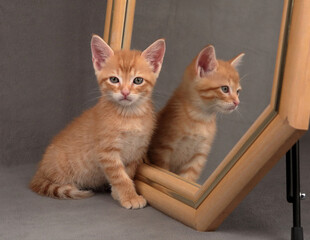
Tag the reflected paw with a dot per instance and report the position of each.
(134, 202)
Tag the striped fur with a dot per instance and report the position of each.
(187, 124)
(107, 142)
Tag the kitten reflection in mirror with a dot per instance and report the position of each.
(106, 143)
(187, 124)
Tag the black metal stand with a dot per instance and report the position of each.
(293, 190)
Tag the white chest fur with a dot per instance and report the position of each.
(188, 146)
(134, 139)
(133, 145)
(197, 139)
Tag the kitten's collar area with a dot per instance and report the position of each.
(128, 107)
(131, 111)
(201, 115)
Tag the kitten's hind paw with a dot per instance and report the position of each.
(134, 203)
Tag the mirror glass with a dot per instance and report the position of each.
(232, 27)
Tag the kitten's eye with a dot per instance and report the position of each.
(114, 80)
(138, 80)
(238, 91)
(225, 89)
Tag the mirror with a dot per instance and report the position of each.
(232, 27)
(286, 112)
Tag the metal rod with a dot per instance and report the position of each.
(293, 189)
(296, 186)
(289, 179)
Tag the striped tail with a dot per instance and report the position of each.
(68, 191)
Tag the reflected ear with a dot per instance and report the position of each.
(206, 61)
(236, 61)
(100, 52)
(154, 54)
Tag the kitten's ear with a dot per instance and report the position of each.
(154, 54)
(206, 61)
(236, 61)
(100, 52)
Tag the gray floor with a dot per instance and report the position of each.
(264, 214)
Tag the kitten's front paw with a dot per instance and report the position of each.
(114, 194)
(134, 202)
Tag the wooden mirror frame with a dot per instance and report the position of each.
(282, 123)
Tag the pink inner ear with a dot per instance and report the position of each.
(206, 61)
(97, 64)
(155, 54)
(100, 51)
(155, 60)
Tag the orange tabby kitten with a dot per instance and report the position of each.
(106, 143)
(187, 124)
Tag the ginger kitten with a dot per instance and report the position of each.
(187, 124)
(107, 142)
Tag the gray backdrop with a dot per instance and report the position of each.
(47, 76)
(233, 27)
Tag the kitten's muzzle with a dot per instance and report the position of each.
(236, 103)
(232, 108)
(125, 93)
(125, 99)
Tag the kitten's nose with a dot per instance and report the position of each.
(125, 92)
(236, 102)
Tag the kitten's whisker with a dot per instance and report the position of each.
(95, 98)
(243, 103)
(239, 113)
(160, 94)
(94, 90)
(90, 100)
(220, 115)
(244, 76)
